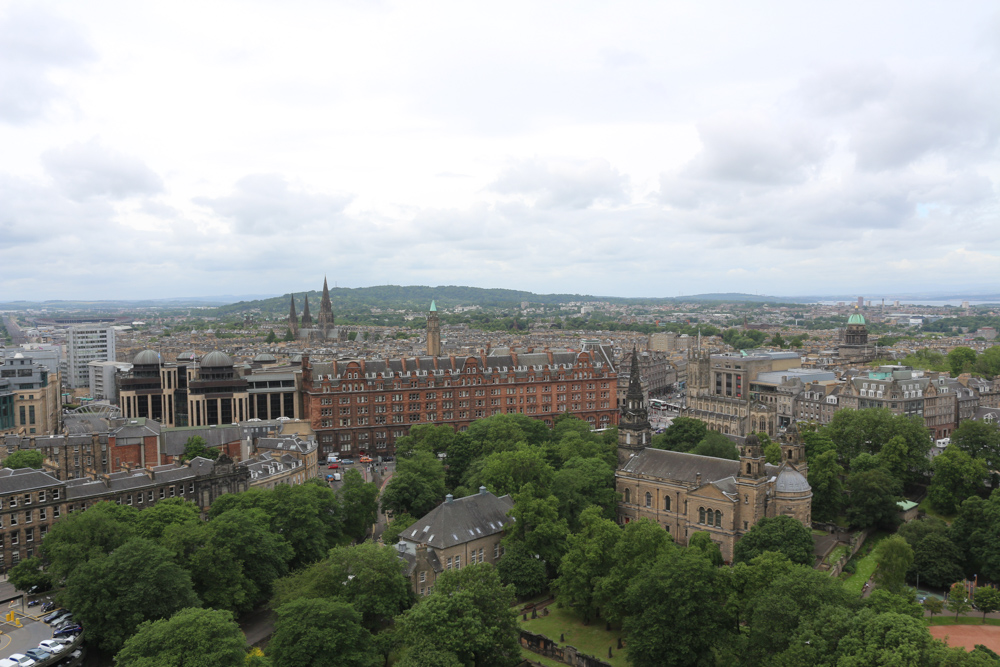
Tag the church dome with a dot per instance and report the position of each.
(791, 481)
(856, 318)
(263, 357)
(216, 359)
(146, 358)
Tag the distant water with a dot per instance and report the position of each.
(915, 302)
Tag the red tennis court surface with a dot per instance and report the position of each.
(968, 635)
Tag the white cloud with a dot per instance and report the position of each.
(88, 170)
(563, 183)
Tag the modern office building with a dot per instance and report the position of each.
(87, 343)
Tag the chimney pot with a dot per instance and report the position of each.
(483, 491)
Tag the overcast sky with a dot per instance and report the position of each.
(156, 149)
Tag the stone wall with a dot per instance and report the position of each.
(567, 655)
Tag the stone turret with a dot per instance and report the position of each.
(433, 332)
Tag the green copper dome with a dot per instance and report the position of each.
(856, 318)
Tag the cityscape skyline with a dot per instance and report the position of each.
(665, 150)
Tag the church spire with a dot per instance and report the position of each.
(634, 431)
(325, 321)
(293, 318)
(307, 319)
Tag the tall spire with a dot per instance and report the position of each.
(307, 319)
(634, 381)
(325, 321)
(433, 332)
(293, 319)
(634, 431)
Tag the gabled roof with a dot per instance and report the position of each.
(461, 520)
(684, 467)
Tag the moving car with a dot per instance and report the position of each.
(348, 462)
(366, 459)
(333, 466)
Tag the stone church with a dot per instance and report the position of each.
(686, 493)
(324, 329)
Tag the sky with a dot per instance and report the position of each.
(165, 149)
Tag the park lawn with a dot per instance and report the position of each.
(946, 619)
(925, 506)
(865, 565)
(591, 639)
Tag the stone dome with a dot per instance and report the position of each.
(216, 359)
(791, 481)
(856, 318)
(146, 358)
(185, 356)
(265, 357)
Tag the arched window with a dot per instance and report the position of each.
(711, 518)
(649, 499)
(748, 468)
(701, 515)
(666, 503)
(628, 495)
(718, 518)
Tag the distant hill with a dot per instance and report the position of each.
(737, 296)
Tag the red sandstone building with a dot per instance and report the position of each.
(362, 406)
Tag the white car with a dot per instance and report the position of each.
(51, 645)
(22, 660)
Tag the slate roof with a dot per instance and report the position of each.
(174, 439)
(461, 520)
(139, 427)
(684, 467)
(25, 479)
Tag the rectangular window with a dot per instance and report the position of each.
(41, 496)
(423, 577)
(458, 562)
(27, 499)
(449, 563)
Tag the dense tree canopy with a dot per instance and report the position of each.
(417, 486)
(782, 534)
(589, 557)
(321, 633)
(190, 638)
(24, 458)
(81, 536)
(359, 500)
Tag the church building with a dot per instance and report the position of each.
(686, 493)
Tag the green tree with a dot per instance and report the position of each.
(28, 574)
(987, 599)
(196, 446)
(469, 615)
(426, 438)
(307, 515)
(988, 363)
(981, 440)
(816, 443)
(702, 541)
(399, 523)
(681, 590)
(782, 534)
(642, 542)
(537, 526)
(523, 571)
(873, 495)
(747, 580)
(937, 561)
(827, 489)
(24, 458)
(417, 487)
(717, 445)
(868, 430)
(961, 360)
(887, 639)
(956, 477)
(367, 576)
(112, 595)
(234, 559)
(933, 606)
(582, 483)
(270, 337)
(958, 600)
(588, 558)
(893, 557)
(683, 435)
(289, 336)
(152, 521)
(81, 536)
(190, 638)
(360, 505)
(505, 472)
(321, 633)
(882, 601)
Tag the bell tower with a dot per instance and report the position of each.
(634, 432)
(433, 332)
(751, 484)
(293, 319)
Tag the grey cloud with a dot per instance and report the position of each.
(264, 205)
(563, 183)
(753, 150)
(91, 169)
(845, 89)
(32, 45)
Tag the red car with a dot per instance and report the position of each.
(333, 466)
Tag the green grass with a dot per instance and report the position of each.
(837, 553)
(949, 619)
(925, 506)
(864, 563)
(592, 639)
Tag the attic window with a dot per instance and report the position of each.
(471, 533)
(479, 531)
(431, 537)
(426, 528)
(492, 526)
(454, 537)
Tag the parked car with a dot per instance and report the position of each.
(333, 466)
(68, 630)
(52, 645)
(22, 660)
(386, 459)
(336, 476)
(366, 459)
(348, 462)
(56, 616)
(63, 622)
(51, 617)
(38, 654)
(48, 606)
